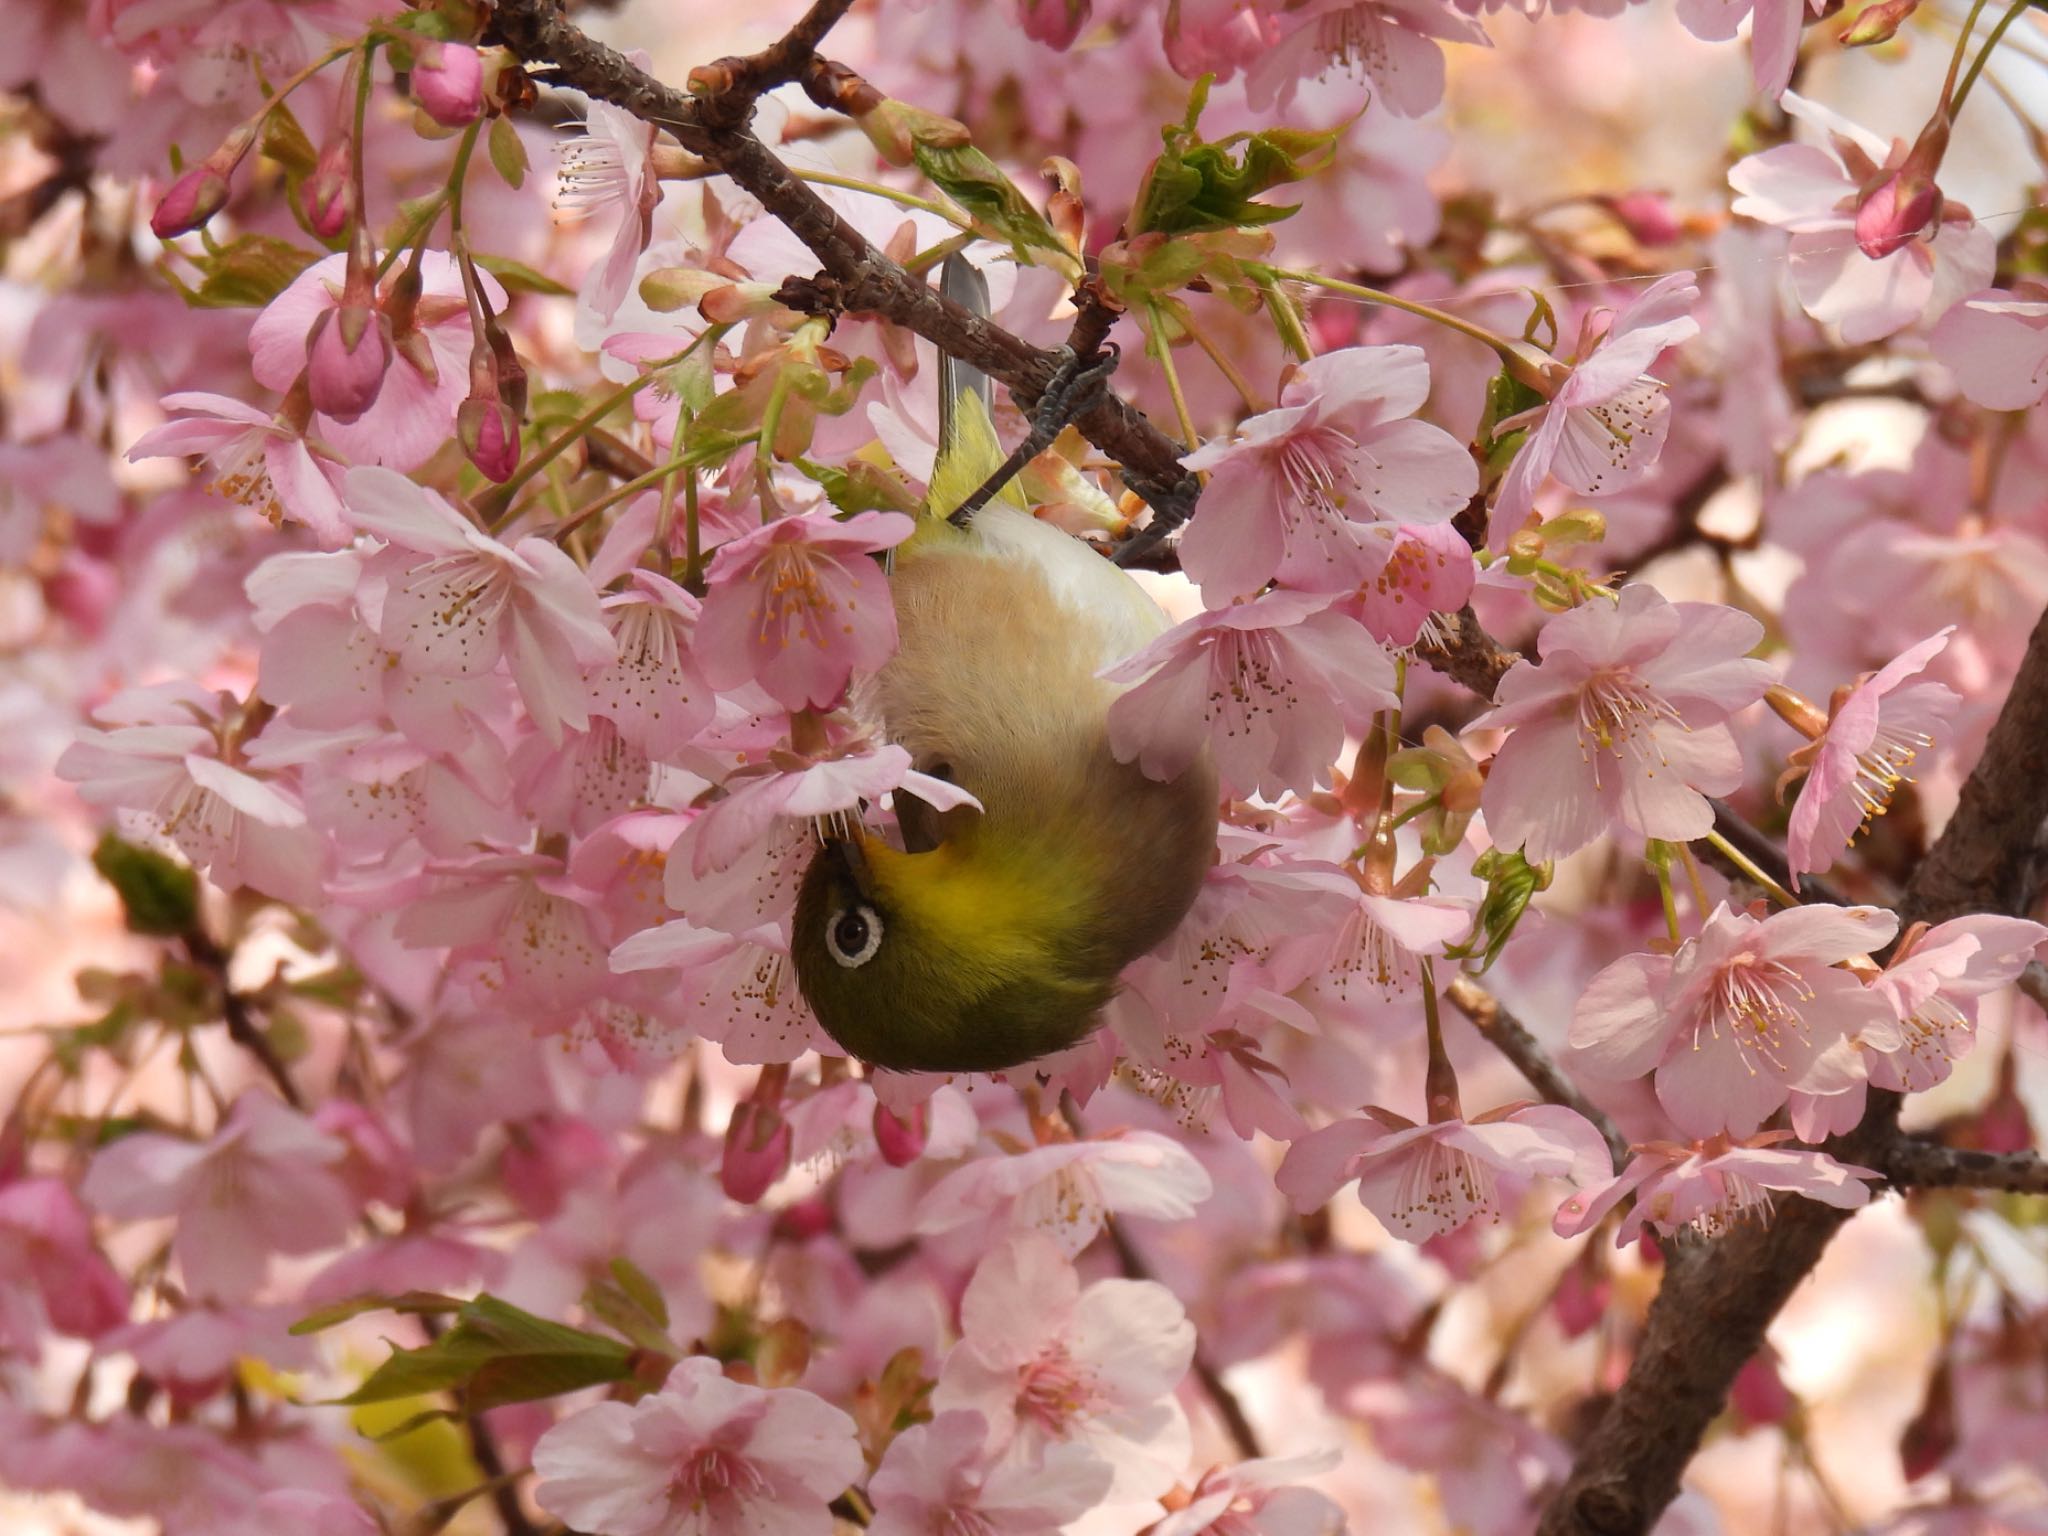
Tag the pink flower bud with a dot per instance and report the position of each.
(804, 1220)
(203, 190)
(448, 83)
(328, 194)
(1878, 23)
(1647, 216)
(902, 1141)
(1055, 23)
(756, 1151)
(1759, 1394)
(548, 1156)
(490, 436)
(1899, 207)
(194, 198)
(347, 352)
(1580, 1300)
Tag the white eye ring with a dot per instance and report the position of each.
(853, 934)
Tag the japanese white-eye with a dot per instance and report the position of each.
(995, 936)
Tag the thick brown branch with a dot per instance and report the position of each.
(1508, 1035)
(1916, 1164)
(1711, 1313)
(866, 281)
(1465, 653)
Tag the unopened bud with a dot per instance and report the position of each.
(448, 83)
(1581, 525)
(489, 434)
(1899, 207)
(328, 194)
(784, 1353)
(896, 128)
(667, 289)
(1055, 23)
(1647, 216)
(1878, 23)
(203, 190)
(901, 1141)
(757, 1141)
(348, 351)
(1759, 1394)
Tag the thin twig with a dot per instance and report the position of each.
(240, 1018)
(1508, 1035)
(856, 278)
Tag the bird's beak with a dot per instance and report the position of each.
(852, 852)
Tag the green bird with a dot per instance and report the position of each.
(996, 935)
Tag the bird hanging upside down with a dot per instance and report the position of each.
(998, 935)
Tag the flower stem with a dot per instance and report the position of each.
(1742, 862)
(558, 444)
(1440, 1081)
(632, 487)
(2013, 13)
(1155, 343)
(1224, 365)
(1955, 59)
(1658, 856)
(459, 173)
(876, 189)
(1510, 352)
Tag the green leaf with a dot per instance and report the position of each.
(860, 487)
(979, 186)
(286, 142)
(413, 1302)
(508, 152)
(248, 272)
(632, 1305)
(633, 1280)
(519, 277)
(159, 896)
(1511, 881)
(1196, 185)
(497, 1354)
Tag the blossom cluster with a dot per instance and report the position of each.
(444, 558)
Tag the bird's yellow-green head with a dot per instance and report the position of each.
(946, 961)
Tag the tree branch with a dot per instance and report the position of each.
(861, 279)
(1508, 1035)
(1915, 1163)
(241, 1022)
(1711, 1312)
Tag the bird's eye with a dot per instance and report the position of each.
(853, 935)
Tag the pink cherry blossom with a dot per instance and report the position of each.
(1742, 1015)
(1996, 345)
(414, 410)
(799, 606)
(1604, 428)
(1774, 32)
(1260, 1497)
(1377, 952)
(653, 692)
(194, 1351)
(1047, 1362)
(1268, 687)
(943, 1478)
(1713, 1186)
(261, 461)
(155, 762)
(1425, 1180)
(1814, 191)
(740, 989)
(607, 172)
(1933, 986)
(1621, 724)
(1425, 571)
(263, 1184)
(1389, 45)
(703, 1454)
(1340, 449)
(1875, 737)
(52, 1277)
(473, 602)
(1068, 1189)
(524, 911)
